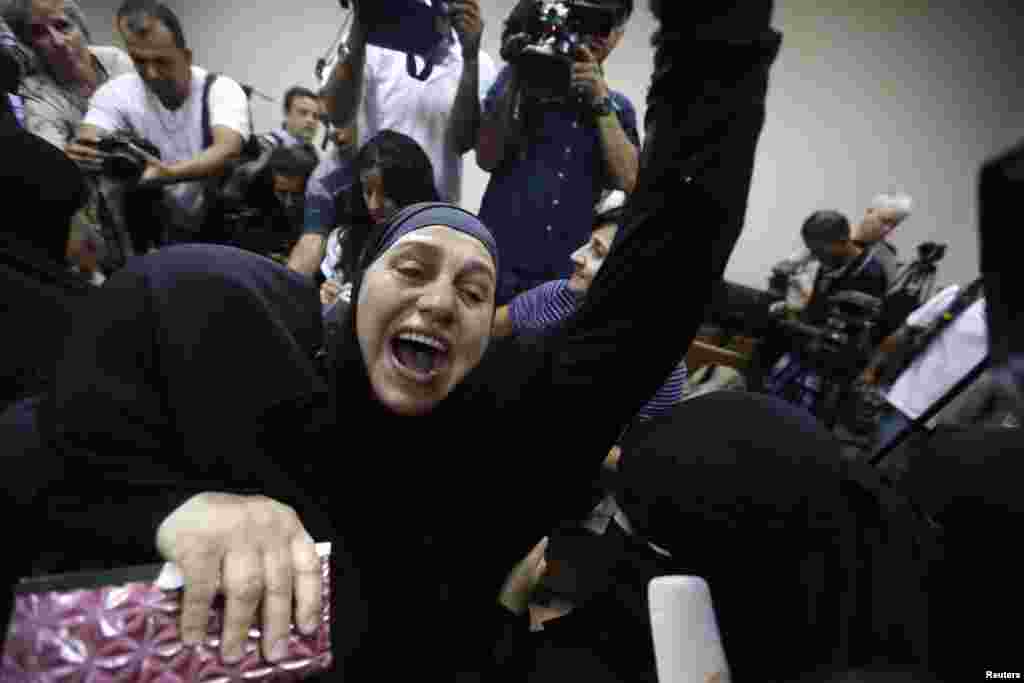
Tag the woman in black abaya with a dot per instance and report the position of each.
(194, 373)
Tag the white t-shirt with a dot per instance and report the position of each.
(960, 347)
(125, 104)
(420, 109)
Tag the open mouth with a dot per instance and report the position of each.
(420, 357)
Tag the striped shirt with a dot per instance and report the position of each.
(545, 307)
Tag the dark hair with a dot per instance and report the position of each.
(294, 92)
(408, 179)
(135, 12)
(521, 16)
(294, 161)
(18, 15)
(826, 227)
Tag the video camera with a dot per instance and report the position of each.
(544, 46)
(930, 253)
(125, 156)
(843, 338)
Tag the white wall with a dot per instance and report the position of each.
(866, 95)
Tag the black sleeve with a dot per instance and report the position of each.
(190, 371)
(649, 298)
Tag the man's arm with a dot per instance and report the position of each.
(344, 89)
(496, 125)
(211, 162)
(464, 123)
(621, 155)
(308, 253)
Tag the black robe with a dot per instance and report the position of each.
(194, 371)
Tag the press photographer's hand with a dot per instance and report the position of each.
(84, 150)
(468, 24)
(587, 75)
(256, 552)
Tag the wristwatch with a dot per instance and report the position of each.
(602, 106)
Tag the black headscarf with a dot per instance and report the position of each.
(40, 189)
(348, 370)
(184, 372)
(798, 544)
(43, 187)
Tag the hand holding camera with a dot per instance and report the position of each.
(468, 24)
(588, 77)
(553, 45)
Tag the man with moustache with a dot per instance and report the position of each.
(198, 123)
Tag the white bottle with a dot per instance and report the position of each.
(687, 643)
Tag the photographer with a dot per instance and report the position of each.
(845, 267)
(165, 102)
(441, 113)
(886, 212)
(301, 123)
(69, 69)
(550, 158)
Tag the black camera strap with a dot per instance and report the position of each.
(211, 78)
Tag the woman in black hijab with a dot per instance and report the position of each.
(195, 373)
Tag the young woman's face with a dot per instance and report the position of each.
(424, 317)
(57, 38)
(589, 258)
(379, 204)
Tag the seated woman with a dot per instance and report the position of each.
(391, 171)
(542, 309)
(193, 374)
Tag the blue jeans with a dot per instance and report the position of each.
(893, 423)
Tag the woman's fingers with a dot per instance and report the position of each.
(277, 602)
(243, 592)
(253, 550)
(201, 572)
(308, 580)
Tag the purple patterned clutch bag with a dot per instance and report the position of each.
(122, 626)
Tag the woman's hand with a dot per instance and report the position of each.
(255, 551)
(523, 579)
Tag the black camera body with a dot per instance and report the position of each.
(930, 253)
(545, 49)
(125, 155)
(840, 342)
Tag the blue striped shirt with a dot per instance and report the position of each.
(543, 308)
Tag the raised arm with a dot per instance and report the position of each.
(464, 123)
(211, 162)
(620, 146)
(702, 132)
(498, 124)
(344, 89)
